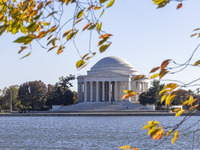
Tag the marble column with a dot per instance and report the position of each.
(116, 91)
(97, 91)
(142, 87)
(85, 91)
(91, 92)
(109, 91)
(103, 91)
(139, 88)
(122, 89)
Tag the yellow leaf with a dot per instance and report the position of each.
(110, 3)
(179, 113)
(67, 2)
(138, 77)
(162, 91)
(153, 122)
(163, 97)
(197, 63)
(167, 100)
(80, 63)
(156, 2)
(154, 76)
(80, 14)
(175, 137)
(169, 132)
(154, 69)
(125, 147)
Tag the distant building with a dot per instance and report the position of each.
(107, 79)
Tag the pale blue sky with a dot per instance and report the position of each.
(143, 35)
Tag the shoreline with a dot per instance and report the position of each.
(92, 113)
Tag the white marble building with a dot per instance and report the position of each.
(107, 79)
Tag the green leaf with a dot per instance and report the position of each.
(26, 55)
(52, 13)
(98, 26)
(46, 23)
(104, 47)
(3, 29)
(92, 27)
(101, 14)
(38, 16)
(23, 39)
(102, 1)
(102, 41)
(71, 34)
(80, 14)
(110, 3)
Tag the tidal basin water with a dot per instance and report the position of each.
(88, 133)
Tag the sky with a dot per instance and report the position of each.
(143, 35)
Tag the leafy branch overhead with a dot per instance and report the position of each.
(43, 20)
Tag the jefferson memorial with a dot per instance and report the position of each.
(107, 79)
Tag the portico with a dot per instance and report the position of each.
(107, 79)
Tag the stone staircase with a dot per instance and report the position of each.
(102, 106)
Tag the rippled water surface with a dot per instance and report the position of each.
(86, 133)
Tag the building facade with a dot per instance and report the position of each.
(107, 79)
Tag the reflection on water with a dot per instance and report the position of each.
(85, 133)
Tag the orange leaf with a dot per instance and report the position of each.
(193, 34)
(105, 36)
(90, 7)
(138, 77)
(154, 69)
(22, 48)
(59, 51)
(164, 64)
(179, 6)
(128, 95)
(78, 20)
(52, 48)
(87, 25)
(96, 7)
(193, 107)
(47, 3)
(162, 73)
(40, 6)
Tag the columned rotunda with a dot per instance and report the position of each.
(107, 79)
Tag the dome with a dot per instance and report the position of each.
(112, 63)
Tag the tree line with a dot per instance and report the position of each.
(151, 96)
(36, 95)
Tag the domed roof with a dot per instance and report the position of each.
(112, 63)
